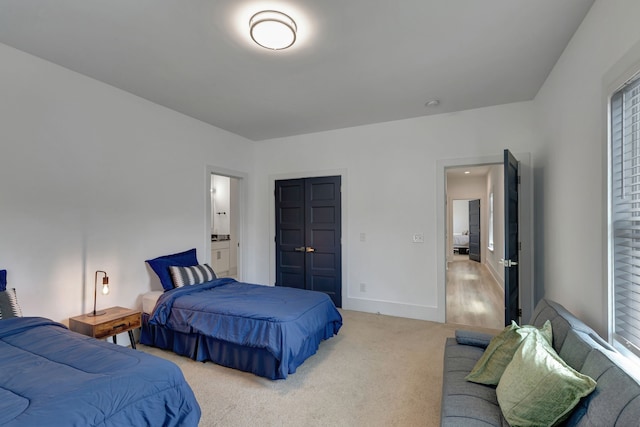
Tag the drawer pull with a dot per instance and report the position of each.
(120, 326)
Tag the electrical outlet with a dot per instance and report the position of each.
(418, 238)
(363, 287)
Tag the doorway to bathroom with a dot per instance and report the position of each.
(224, 232)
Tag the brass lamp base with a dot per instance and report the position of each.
(97, 313)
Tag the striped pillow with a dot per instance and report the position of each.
(9, 304)
(191, 275)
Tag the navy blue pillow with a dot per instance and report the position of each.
(3, 280)
(161, 265)
(477, 339)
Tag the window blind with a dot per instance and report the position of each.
(625, 213)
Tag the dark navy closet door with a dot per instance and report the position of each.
(474, 230)
(308, 235)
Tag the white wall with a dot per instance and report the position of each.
(460, 216)
(389, 193)
(571, 161)
(220, 204)
(495, 185)
(234, 221)
(91, 178)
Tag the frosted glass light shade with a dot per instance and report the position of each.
(273, 30)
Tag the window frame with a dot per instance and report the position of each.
(616, 135)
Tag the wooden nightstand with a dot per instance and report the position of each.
(116, 320)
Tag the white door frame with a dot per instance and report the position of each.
(525, 221)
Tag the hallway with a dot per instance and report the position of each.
(473, 295)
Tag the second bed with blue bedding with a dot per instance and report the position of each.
(266, 330)
(52, 376)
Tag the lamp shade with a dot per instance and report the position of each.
(273, 30)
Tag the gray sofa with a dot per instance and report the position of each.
(615, 401)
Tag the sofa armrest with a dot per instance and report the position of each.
(477, 339)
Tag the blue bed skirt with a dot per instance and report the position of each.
(258, 361)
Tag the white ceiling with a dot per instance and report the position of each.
(356, 61)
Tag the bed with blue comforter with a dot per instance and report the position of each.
(50, 376)
(266, 330)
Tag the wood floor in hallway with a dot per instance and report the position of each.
(473, 295)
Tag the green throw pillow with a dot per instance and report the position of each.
(538, 388)
(489, 368)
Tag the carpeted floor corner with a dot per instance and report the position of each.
(378, 371)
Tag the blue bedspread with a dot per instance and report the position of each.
(50, 376)
(278, 319)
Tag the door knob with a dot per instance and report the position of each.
(300, 249)
(508, 262)
(310, 249)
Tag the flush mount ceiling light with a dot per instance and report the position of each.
(273, 30)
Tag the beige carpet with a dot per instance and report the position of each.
(378, 371)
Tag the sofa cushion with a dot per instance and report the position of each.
(616, 399)
(562, 321)
(538, 387)
(499, 353)
(463, 402)
(576, 348)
